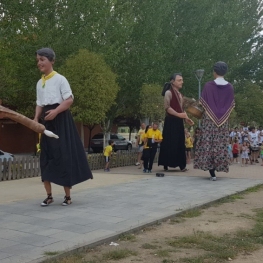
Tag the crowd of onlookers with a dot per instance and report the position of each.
(245, 145)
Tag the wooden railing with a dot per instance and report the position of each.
(26, 167)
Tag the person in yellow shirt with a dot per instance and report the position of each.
(151, 140)
(144, 152)
(107, 153)
(188, 146)
(139, 144)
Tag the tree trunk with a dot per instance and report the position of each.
(106, 134)
(145, 120)
(82, 132)
(130, 133)
(90, 130)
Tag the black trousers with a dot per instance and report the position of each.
(212, 173)
(148, 157)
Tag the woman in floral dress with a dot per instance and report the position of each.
(217, 100)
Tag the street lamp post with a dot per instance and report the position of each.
(199, 74)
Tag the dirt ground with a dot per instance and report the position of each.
(155, 244)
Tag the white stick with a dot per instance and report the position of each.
(50, 134)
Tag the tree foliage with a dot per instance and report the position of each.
(249, 106)
(151, 103)
(142, 42)
(93, 84)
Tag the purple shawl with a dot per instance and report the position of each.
(218, 101)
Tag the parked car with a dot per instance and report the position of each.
(120, 143)
(7, 156)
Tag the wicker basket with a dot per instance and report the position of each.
(192, 107)
(195, 111)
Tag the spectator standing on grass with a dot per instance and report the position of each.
(63, 161)
(107, 154)
(139, 144)
(218, 102)
(151, 140)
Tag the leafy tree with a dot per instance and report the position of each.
(142, 41)
(151, 102)
(93, 84)
(234, 120)
(65, 26)
(249, 105)
(203, 32)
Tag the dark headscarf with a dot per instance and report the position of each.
(220, 68)
(47, 52)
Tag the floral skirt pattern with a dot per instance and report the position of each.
(212, 146)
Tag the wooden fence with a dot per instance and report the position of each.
(26, 167)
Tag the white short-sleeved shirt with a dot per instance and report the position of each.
(56, 90)
(254, 138)
(234, 134)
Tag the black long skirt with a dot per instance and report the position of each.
(172, 151)
(63, 161)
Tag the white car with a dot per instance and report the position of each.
(7, 156)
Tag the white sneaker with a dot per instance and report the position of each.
(213, 178)
(137, 164)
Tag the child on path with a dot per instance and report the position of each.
(244, 153)
(188, 146)
(249, 153)
(107, 153)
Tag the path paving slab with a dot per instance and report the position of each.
(27, 230)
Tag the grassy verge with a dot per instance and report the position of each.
(208, 247)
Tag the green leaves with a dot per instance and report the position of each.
(93, 85)
(249, 106)
(142, 42)
(152, 105)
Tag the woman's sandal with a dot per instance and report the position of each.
(185, 170)
(67, 201)
(48, 200)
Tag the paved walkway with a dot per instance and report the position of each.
(104, 207)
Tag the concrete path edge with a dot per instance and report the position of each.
(136, 229)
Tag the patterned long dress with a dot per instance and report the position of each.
(211, 148)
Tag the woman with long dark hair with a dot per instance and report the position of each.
(172, 150)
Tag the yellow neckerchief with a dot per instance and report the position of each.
(38, 145)
(45, 78)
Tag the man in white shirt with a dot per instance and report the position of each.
(235, 134)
